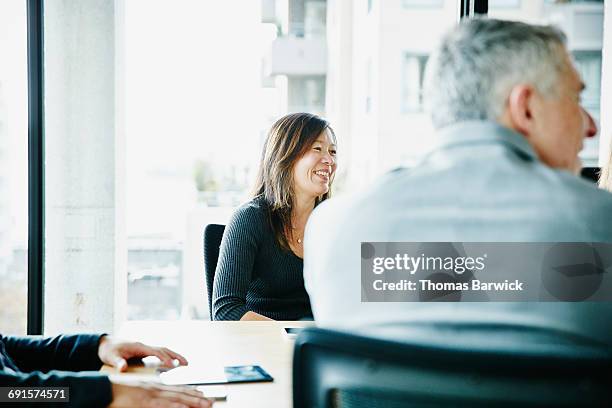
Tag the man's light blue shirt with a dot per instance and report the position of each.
(481, 183)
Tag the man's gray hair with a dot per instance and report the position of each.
(471, 74)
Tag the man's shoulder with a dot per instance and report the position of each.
(596, 204)
(554, 192)
(331, 207)
(587, 195)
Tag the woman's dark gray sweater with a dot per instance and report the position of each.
(254, 273)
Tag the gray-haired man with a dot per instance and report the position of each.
(505, 100)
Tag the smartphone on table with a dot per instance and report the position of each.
(188, 375)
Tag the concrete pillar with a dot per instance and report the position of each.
(84, 239)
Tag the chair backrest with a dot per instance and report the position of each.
(591, 173)
(335, 369)
(212, 241)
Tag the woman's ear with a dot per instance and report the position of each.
(519, 109)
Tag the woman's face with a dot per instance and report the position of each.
(315, 170)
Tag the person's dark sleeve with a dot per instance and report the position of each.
(66, 352)
(235, 265)
(86, 389)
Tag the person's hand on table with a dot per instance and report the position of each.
(127, 393)
(151, 395)
(116, 353)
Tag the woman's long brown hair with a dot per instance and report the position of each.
(605, 180)
(287, 141)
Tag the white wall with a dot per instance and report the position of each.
(297, 56)
(339, 95)
(84, 172)
(364, 125)
(404, 137)
(605, 138)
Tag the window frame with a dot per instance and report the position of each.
(36, 196)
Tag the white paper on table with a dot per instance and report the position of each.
(128, 378)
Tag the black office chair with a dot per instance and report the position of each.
(212, 241)
(591, 173)
(535, 368)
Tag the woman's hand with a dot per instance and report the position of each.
(116, 353)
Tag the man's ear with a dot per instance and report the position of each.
(520, 104)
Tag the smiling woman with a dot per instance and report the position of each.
(259, 273)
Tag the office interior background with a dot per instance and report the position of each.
(155, 115)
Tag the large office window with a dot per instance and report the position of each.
(197, 108)
(151, 134)
(157, 111)
(588, 64)
(156, 115)
(13, 167)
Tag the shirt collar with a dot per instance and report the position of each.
(482, 132)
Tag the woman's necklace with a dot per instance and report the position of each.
(298, 238)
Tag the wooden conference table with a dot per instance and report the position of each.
(228, 344)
